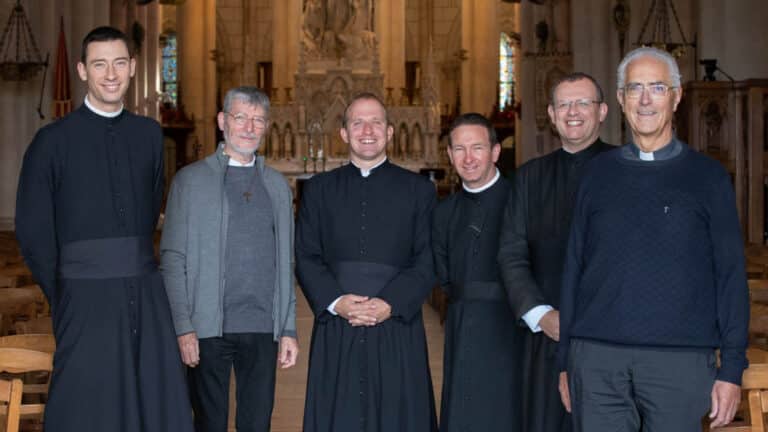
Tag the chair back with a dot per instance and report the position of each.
(19, 360)
(39, 325)
(35, 342)
(10, 408)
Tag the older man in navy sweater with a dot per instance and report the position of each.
(654, 276)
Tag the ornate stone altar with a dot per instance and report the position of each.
(338, 59)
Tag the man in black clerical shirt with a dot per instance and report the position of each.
(534, 237)
(227, 264)
(481, 371)
(364, 262)
(88, 200)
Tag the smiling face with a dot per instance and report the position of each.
(577, 112)
(242, 140)
(366, 132)
(649, 115)
(107, 70)
(473, 155)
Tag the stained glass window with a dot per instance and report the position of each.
(170, 77)
(506, 72)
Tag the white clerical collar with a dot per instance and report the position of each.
(365, 172)
(236, 163)
(103, 113)
(645, 156)
(483, 187)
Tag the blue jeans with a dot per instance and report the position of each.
(254, 357)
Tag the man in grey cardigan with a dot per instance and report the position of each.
(226, 258)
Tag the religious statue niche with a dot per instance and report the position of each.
(338, 29)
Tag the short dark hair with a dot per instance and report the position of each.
(363, 96)
(104, 34)
(573, 77)
(475, 119)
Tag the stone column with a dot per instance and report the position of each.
(390, 30)
(480, 37)
(286, 25)
(196, 22)
(596, 52)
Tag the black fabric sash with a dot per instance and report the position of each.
(364, 278)
(107, 258)
(489, 291)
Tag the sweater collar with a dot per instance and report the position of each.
(632, 152)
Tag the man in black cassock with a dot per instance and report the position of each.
(534, 237)
(364, 262)
(89, 195)
(481, 371)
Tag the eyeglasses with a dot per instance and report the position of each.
(242, 120)
(580, 105)
(655, 90)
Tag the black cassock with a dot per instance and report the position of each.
(535, 231)
(367, 236)
(481, 369)
(89, 195)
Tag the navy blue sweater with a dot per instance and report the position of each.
(655, 258)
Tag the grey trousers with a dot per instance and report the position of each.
(624, 388)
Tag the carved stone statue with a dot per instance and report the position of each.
(334, 29)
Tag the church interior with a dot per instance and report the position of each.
(428, 60)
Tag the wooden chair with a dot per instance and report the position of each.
(20, 361)
(20, 272)
(7, 281)
(16, 303)
(39, 325)
(35, 342)
(755, 381)
(10, 395)
(758, 320)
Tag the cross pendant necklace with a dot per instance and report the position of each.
(248, 193)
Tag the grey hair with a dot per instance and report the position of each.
(674, 70)
(249, 95)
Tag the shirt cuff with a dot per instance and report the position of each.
(332, 307)
(533, 316)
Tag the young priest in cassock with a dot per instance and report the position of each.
(534, 237)
(89, 196)
(364, 262)
(481, 371)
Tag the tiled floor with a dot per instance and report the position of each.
(291, 383)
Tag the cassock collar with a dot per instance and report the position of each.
(103, 113)
(584, 154)
(366, 172)
(632, 152)
(483, 187)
